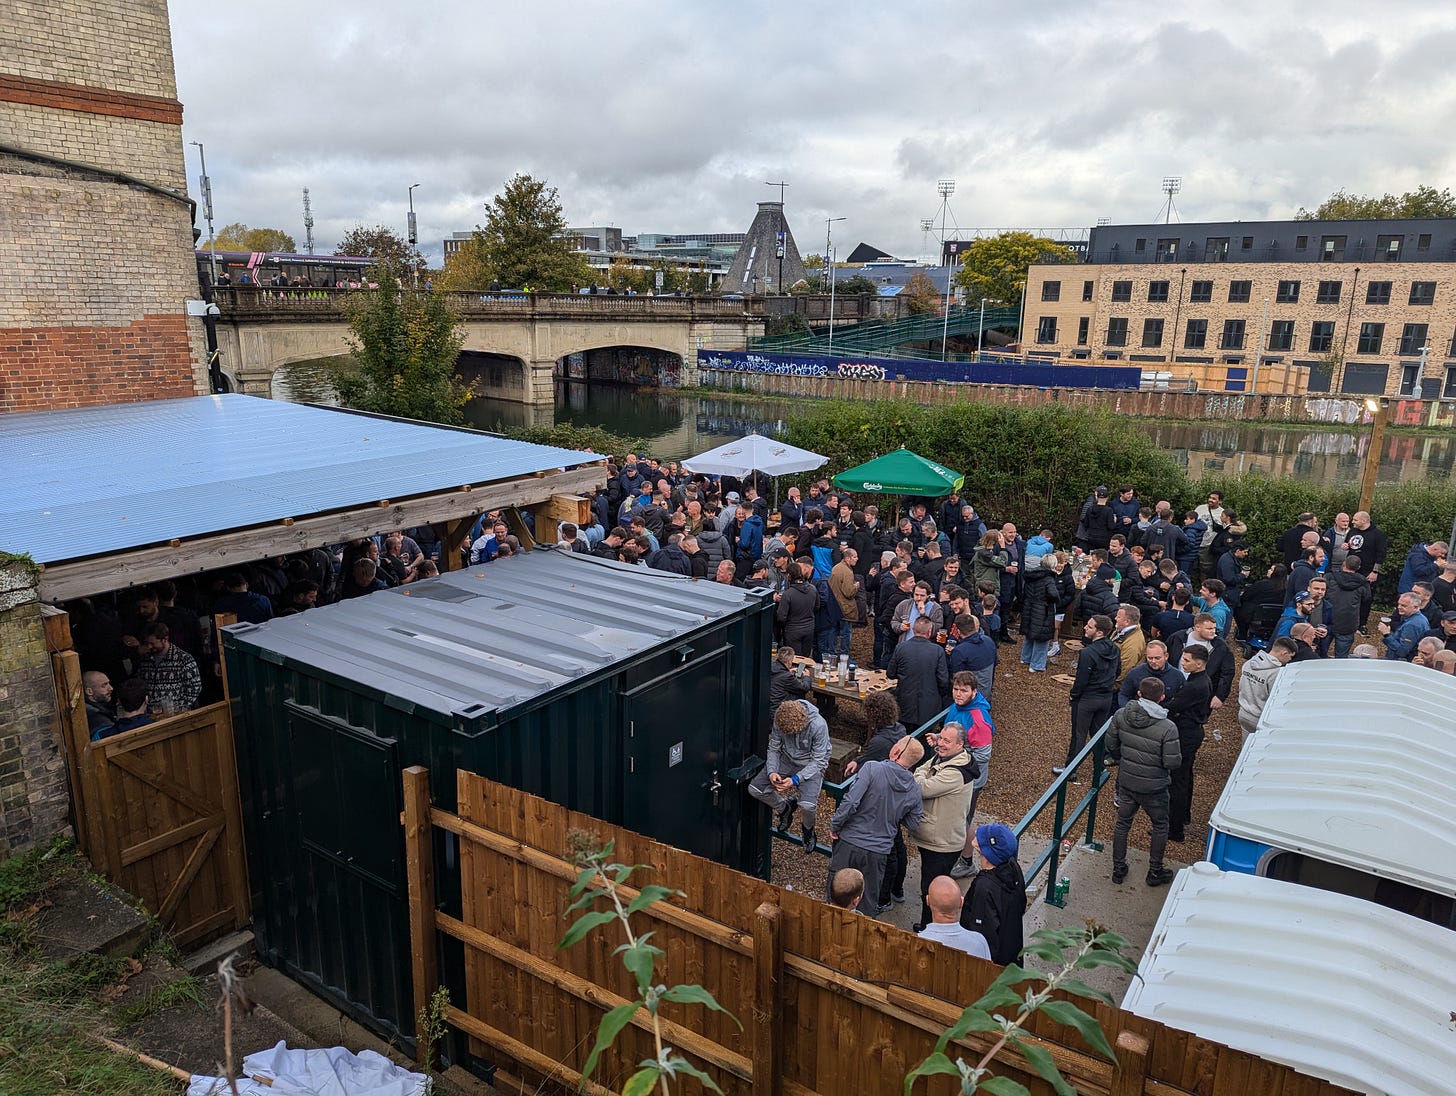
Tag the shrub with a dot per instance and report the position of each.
(568, 435)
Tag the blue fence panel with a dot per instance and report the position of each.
(984, 371)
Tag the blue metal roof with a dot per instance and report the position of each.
(493, 637)
(86, 481)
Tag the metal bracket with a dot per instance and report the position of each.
(748, 770)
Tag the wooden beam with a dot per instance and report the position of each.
(517, 525)
(57, 624)
(559, 508)
(76, 740)
(1132, 1064)
(768, 974)
(80, 578)
(452, 536)
(419, 848)
(514, 1048)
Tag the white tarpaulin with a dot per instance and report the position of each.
(755, 453)
(331, 1072)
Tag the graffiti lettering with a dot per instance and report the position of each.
(1033, 374)
(861, 371)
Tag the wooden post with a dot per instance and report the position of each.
(419, 845)
(1132, 1065)
(768, 969)
(75, 740)
(219, 622)
(451, 539)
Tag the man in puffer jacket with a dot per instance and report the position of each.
(1144, 743)
(716, 547)
(946, 785)
(798, 755)
(1257, 678)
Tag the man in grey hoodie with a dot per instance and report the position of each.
(1144, 743)
(798, 755)
(1257, 678)
(883, 797)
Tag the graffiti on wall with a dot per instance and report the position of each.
(1322, 409)
(629, 365)
(1030, 374)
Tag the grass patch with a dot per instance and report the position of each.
(183, 991)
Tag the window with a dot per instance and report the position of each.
(1329, 293)
(1082, 329)
(1215, 249)
(1152, 332)
(1140, 246)
(1423, 242)
(1332, 249)
(1117, 331)
(1233, 335)
(1321, 373)
(1412, 338)
(1423, 293)
(1301, 243)
(1046, 329)
(1239, 292)
(1281, 335)
(1201, 293)
(1087, 291)
(1365, 378)
(1122, 291)
(1371, 336)
(1196, 335)
(1167, 251)
(1051, 291)
(1287, 293)
(1157, 291)
(1377, 293)
(1387, 248)
(1321, 335)
(1449, 391)
(1247, 244)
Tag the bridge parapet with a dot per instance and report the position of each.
(283, 304)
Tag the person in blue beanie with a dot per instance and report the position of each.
(996, 902)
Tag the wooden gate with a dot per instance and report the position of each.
(158, 814)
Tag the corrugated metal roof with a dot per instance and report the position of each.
(1335, 987)
(1353, 763)
(494, 637)
(85, 481)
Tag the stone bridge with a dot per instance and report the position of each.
(260, 330)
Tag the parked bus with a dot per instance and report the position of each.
(270, 268)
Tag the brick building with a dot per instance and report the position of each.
(96, 243)
(1319, 306)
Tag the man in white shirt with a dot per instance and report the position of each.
(944, 899)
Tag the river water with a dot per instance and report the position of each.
(679, 425)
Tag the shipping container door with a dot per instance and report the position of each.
(677, 787)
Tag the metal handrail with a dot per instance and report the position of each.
(1056, 794)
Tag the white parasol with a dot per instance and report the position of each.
(755, 453)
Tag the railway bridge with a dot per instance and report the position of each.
(512, 340)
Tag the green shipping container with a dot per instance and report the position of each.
(632, 695)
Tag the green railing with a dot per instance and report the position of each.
(1055, 796)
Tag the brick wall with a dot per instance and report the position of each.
(34, 794)
(97, 272)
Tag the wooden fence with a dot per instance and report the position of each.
(831, 1002)
(157, 811)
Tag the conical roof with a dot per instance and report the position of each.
(755, 268)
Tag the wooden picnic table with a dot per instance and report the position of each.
(876, 681)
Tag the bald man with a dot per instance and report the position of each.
(944, 898)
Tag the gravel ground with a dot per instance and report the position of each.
(1033, 724)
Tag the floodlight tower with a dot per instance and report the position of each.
(926, 225)
(307, 223)
(945, 188)
(1172, 184)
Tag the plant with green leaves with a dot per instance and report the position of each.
(1075, 949)
(600, 878)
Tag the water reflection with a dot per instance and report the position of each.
(678, 426)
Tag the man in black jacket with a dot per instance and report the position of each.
(1189, 710)
(1219, 659)
(1370, 543)
(918, 667)
(1144, 743)
(995, 904)
(1091, 696)
(783, 682)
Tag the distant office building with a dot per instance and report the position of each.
(1338, 306)
(454, 241)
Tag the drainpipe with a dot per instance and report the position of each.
(1345, 342)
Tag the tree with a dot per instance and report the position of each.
(855, 285)
(385, 245)
(995, 267)
(466, 269)
(921, 296)
(239, 237)
(524, 239)
(1423, 201)
(404, 345)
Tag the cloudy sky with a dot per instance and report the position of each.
(658, 117)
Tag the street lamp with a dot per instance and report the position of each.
(205, 186)
(1417, 390)
(414, 236)
(829, 273)
(1378, 409)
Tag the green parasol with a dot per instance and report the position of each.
(900, 473)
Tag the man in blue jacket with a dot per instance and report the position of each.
(750, 535)
(1407, 629)
(1422, 564)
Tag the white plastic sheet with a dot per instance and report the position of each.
(331, 1072)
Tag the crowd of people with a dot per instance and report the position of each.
(945, 594)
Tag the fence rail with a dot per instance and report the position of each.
(286, 303)
(814, 985)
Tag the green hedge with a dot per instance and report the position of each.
(568, 435)
(1037, 466)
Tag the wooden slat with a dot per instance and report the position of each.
(558, 508)
(768, 973)
(162, 841)
(1132, 1065)
(514, 1048)
(419, 851)
(81, 578)
(76, 740)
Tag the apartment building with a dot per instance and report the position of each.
(1347, 307)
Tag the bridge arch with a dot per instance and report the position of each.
(644, 366)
